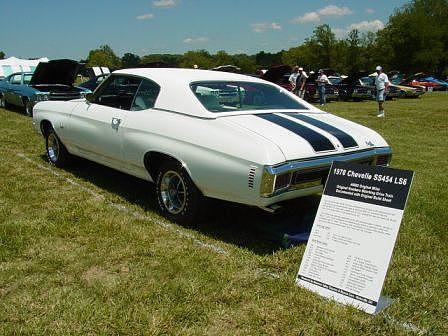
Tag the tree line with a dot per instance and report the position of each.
(415, 39)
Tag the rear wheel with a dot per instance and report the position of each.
(178, 198)
(57, 154)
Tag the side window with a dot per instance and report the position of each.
(117, 91)
(146, 95)
(16, 79)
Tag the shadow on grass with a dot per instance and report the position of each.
(243, 226)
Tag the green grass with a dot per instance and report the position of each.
(75, 263)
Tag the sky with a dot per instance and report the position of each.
(70, 29)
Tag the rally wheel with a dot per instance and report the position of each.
(178, 198)
(57, 154)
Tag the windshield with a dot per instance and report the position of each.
(367, 81)
(27, 78)
(223, 96)
(335, 80)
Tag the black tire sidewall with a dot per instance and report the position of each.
(194, 198)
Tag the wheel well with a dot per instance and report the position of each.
(153, 161)
(45, 126)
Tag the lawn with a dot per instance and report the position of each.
(82, 250)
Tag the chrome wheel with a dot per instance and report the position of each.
(173, 192)
(53, 147)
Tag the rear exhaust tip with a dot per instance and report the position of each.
(273, 209)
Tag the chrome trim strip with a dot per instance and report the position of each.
(326, 160)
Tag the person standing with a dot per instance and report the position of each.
(382, 84)
(300, 83)
(322, 79)
(293, 78)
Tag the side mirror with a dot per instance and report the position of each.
(89, 97)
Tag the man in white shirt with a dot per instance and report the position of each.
(382, 84)
(300, 83)
(293, 78)
(322, 79)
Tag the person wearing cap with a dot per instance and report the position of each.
(382, 84)
(300, 83)
(322, 79)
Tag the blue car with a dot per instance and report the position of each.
(51, 80)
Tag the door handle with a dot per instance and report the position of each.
(115, 123)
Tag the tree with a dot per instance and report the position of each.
(416, 37)
(353, 52)
(201, 58)
(2, 55)
(103, 56)
(130, 60)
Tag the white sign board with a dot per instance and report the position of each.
(354, 233)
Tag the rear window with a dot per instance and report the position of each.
(224, 96)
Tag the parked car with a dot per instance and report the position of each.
(419, 79)
(51, 80)
(311, 94)
(93, 83)
(279, 75)
(392, 91)
(269, 147)
(351, 87)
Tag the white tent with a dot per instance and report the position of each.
(14, 64)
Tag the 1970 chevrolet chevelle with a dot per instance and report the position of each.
(197, 133)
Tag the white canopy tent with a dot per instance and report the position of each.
(14, 64)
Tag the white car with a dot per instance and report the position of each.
(169, 126)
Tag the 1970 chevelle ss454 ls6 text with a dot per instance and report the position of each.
(197, 134)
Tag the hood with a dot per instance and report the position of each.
(62, 71)
(302, 135)
(275, 74)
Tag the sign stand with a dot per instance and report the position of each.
(354, 234)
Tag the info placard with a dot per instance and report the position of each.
(354, 233)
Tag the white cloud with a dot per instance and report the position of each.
(263, 26)
(339, 32)
(330, 10)
(370, 11)
(148, 16)
(190, 40)
(374, 25)
(164, 3)
(333, 10)
(362, 26)
(307, 17)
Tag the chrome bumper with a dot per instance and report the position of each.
(310, 173)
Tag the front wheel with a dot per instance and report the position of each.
(2, 101)
(28, 108)
(57, 154)
(178, 198)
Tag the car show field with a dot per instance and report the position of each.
(84, 251)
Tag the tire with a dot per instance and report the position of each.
(28, 107)
(56, 152)
(3, 103)
(178, 198)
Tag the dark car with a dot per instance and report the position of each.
(279, 74)
(311, 94)
(392, 92)
(92, 83)
(51, 80)
(351, 88)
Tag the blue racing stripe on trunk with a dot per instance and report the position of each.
(346, 140)
(316, 140)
